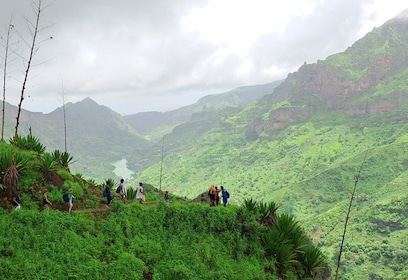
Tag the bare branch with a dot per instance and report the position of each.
(6, 61)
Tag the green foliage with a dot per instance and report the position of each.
(48, 162)
(130, 193)
(111, 182)
(77, 189)
(313, 260)
(66, 175)
(21, 160)
(250, 204)
(29, 143)
(64, 159)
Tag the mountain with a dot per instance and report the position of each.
(155, 124)
(96, 136)
(332, 133)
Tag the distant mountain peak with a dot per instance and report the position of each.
(89, 100)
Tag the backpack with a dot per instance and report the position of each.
(104, 192)
(118, 189)
(65, 197)
(227, 193)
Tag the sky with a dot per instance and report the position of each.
(159, 55)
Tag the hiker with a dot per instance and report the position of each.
(211, 191)
(46, 202)
(225, 196)
(139, 193)
(16, 200)
(122, 191)
(70, 200)
(216, 196)
(202, 198)
(166, 196)
(107, 194)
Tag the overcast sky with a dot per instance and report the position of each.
(159, 55)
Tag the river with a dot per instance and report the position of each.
(121, 169)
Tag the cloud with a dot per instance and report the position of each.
(159, 55)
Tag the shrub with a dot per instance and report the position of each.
(77, 190)
(21, 160)
(48, 162)
(66, 175)
(64, 159)
(29, 143)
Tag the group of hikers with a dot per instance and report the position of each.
(122, 192)
(68, 197)
(214, 195)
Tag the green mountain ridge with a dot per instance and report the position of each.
(302, 146)
(158, 123)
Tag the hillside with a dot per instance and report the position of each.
(303, 146)
(154, 124)
(133, 240)
(95, 135)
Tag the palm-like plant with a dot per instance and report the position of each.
(111, 182)
(21, 161)
(313, 260)
(277, 245)
(48, 162)
(286, 224)
(64, 159)
(29, 143)
(273, 207)
(267, 212)
(264, 211)
(250, 204)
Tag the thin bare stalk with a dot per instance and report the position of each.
(65, 119)
(347, 218)
(30, 58)
(6, 56)
(161, 165)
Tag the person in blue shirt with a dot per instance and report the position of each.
(107, 194)
(225, 196)
(70, 200)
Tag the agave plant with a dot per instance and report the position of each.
(48, 162)
(278, 246)
(287, 224)
(264, 211)
(273, 207)
(313, 260)
(299, 241)
(250, 204)
(111, 182)
(64, 159)
(21, 161)
(29, 143)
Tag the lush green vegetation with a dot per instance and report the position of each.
(154, 240)
(309, 169)
(300, 147)
(134, 241)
